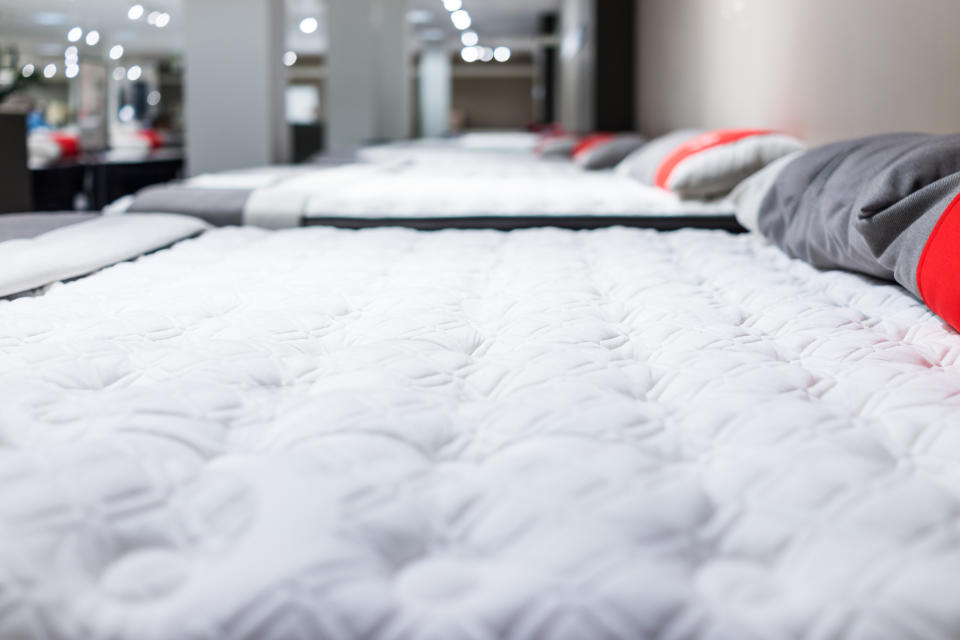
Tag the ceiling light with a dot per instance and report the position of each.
(134, 73)
(309, 25)
(73, 70)
(470, 54)
(50, 70)
(116, 52)
(461, 19)
(28, 70)
(75, 34)
(119, 74)
(135, 12)
(152, 17)
(486, 54)
(289, 58)
(469, 38)
(153, 98)
(452, 5)
(502, 54)
(162, 20)
(93, 38)
(71, 53)
(127, 113)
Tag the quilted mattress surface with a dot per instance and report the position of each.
(544, 434)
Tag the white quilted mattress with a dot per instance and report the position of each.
(428, 187)
(543, 434)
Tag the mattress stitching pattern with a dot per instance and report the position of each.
(541, 434)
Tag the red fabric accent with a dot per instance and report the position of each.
(698, 144)
(69, 144)
(938, 272)
(591, 142)
(153, 138)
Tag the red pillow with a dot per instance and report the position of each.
(154, 138)
(69, 144)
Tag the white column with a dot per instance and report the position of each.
(367, 72)
(436, 87)
(576, 87)
(393, 69)
(235, 84)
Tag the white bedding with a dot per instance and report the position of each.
(425, 189)
(481, 176)
(81, 249)
(544, 434)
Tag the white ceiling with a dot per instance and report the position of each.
(40, 26)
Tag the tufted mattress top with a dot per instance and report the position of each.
(391, 434)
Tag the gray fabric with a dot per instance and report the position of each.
(219, 207)
(610, 154)
(558, 147)
(23, 226)
(642, 164)
(866, 205)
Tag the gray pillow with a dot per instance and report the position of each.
(609, 154)
(558, 147)
(886, 206)
(643, 163)
(706, 165)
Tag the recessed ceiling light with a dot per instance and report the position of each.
(119, 74)
(93, 38)
(452, 5)
(461, 19)
(50, 70)
(152, 17)
(162, 20)
(502, 54)
(469, 38)
(71, 53)
(289, 58)
(153, 98)
(72, 71)
(135, 12)
(470, 54)
(134, 73)
(28, 70)
(309, 25)
(116, 52)
(75, 34)
(486, 54)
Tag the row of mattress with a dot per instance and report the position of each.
(869, 205)
(544, 434)
(489, 180)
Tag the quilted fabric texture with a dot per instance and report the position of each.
(543, 434)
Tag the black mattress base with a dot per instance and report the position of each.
(509, 223)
